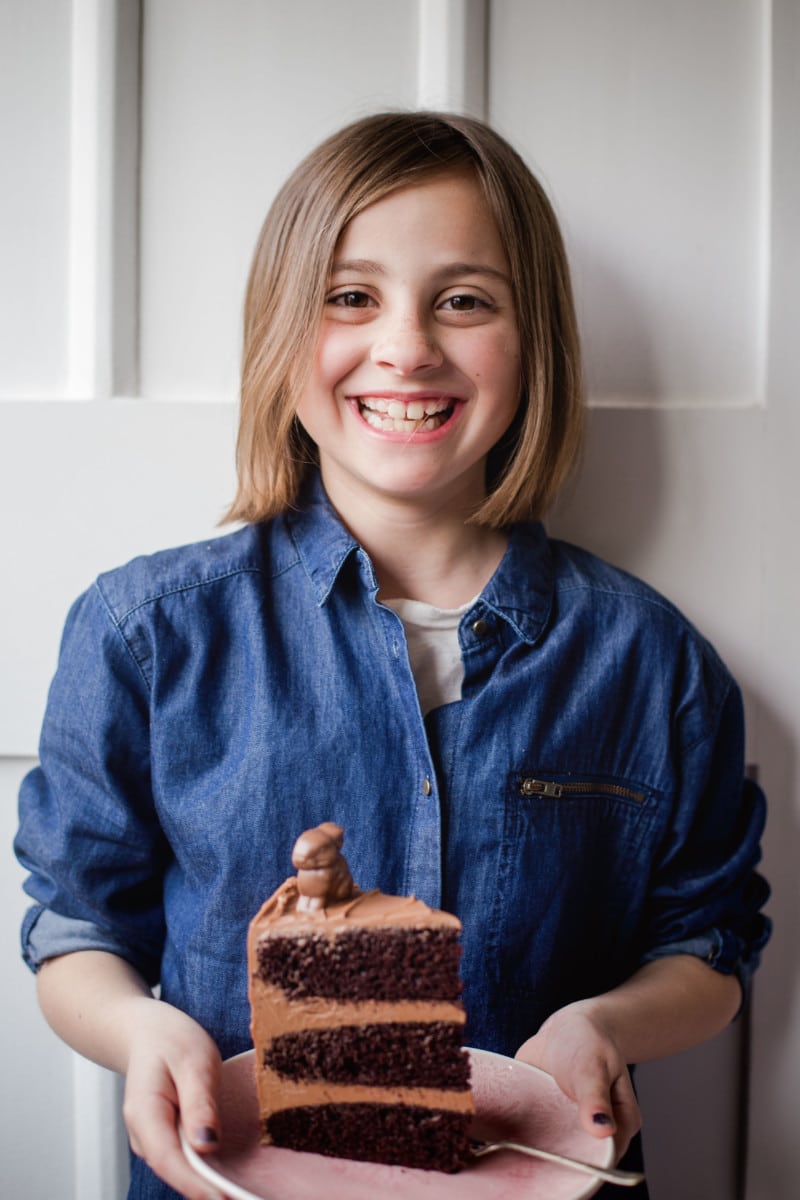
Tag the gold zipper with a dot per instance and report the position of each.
(548, 787)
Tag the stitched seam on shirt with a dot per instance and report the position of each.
(653, 601)
(711, 731)
(117, 622)
(626, 593)
(189, 587)
(123, 639)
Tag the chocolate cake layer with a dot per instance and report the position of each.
(364, 964)
(357, 1021)
(419, 1054)
(403, 1136)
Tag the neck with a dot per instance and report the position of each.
(421, 551)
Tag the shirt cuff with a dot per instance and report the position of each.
(714, 948)
(46, 934)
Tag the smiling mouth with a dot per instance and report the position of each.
(405, 416)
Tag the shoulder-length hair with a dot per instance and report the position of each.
(288, 283)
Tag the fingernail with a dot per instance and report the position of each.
(601, 1118)
(206, 1136)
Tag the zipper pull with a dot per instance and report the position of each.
(540, 787)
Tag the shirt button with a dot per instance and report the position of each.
(426, 788)
(480, 628)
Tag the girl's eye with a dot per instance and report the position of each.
(351, 299)
(464, 303)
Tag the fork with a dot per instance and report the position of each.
(609, 1174)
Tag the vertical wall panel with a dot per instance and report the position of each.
(229, 107)
(34, 137)
(775, 1149)
(451, 74)
(648, 123)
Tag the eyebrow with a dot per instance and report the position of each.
(367, 266)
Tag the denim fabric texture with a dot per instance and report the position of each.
(581, 808)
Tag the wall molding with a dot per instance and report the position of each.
(103, 197)
(101, 1151)
(451, 55)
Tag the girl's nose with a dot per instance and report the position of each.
(406, 350)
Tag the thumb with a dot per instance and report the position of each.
(197, 1105)
(613, 1111)
(597, 1115)
(592, 1092)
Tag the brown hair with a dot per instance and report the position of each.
(289, 279)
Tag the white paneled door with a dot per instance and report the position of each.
(143, 141)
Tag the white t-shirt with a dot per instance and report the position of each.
(433, 649)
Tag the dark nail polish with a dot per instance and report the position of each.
(601, 1118)
(206, 1136)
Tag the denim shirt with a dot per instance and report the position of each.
(581, 808)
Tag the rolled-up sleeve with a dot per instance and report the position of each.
(88, 831)
(707, 897)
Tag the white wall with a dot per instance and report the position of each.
(666, 136)
(36, 1086)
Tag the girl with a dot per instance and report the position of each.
(504, 725)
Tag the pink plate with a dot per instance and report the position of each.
(513, 1101)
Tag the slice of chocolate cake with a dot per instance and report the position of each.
(356, 1018)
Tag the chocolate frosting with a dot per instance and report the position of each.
(283, 911)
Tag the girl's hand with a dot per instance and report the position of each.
(582, 1056)
(100, 1005)
(172, 1079)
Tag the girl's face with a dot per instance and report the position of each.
(416, 373)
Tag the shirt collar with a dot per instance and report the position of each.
(522, 588)
(520, 591)
(322, 542)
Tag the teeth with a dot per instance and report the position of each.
(412, 410)
(403, 416)
(398, 424)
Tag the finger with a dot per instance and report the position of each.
(590, 1085)
(156, 1141)
(626, 1111)
(597, 1113)
(197, 1085)
(612, 1112)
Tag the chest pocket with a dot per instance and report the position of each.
(573, 874)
